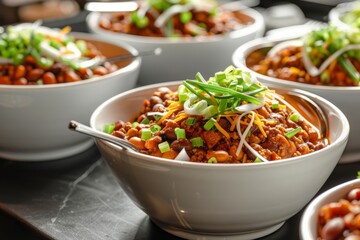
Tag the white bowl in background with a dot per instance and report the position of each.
(34, 118)
(345, 98)
(181, 58)
(309, 219)
(212, 201)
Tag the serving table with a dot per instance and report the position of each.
(79, 198)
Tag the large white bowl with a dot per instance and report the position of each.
(181, 57)
(340, 10)
(34, 119)
(210, 201)
(345, 98)
(309, 220)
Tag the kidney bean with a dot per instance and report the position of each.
(169, 133)
(181, 143)
(5, 80)
(170, 154)
(159, 108)
(20, 81)
(333, 229)
(100, 71)
(138, 143)
(71, 76)
(35, 74)
(354, 194)
(153, 142)
(155, 100)
(119, 134)
(20, 71)
(132, 133)
(49, 78)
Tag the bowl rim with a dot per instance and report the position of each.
(311, 211)
(240, 54)
(132, 66)
(339, 141)
(258, 24)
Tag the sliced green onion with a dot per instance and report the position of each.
(294, 117)
(248, 134)
(182, 94)
(293, 132)
(349, 68)
(156, 117)
(200, 77)
(222, 105)
(197, 142)
(155, 128)
(134, 124)
(145, 134)
(199, 95)
(190, 121)
(257, 160)
(222, 90)
(164, 147)
(219, 76)
(209, 124)
(145, 121)
(81, 44)
(185, 17)
(109, 128)
(210, 111)
(212, 160)
(180, 133)
(275, 104)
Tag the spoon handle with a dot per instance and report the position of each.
(81, 128)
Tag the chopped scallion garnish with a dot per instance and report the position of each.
(257, 160)
(180, 133)
(294, 117)
(145, 121)
(275, 104)
(209, 124)
(293, 132)
(145, 134)
(109, 128)
(190, 121)
(212, 160)
(197, 142)
(164, 147)
(155, 128)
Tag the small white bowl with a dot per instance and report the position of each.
(345, 98)
(309, 220)
(34, 118)
(213, 201)
(181, 57)
(337, 12)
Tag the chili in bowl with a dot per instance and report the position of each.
(206, 157)
(196, 35)
(333, 214)
(43, 85)
(330, 68)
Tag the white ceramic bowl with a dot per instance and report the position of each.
(181, 57)
(34, 118)
(210, 201)
(337, 12)
(345, 98)
(309, 220)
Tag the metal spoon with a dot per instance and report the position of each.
(97, 61)
(81, 128)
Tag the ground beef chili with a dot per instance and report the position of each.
(268, 136)
(202, 23)
(31, 73)
(341, 220)
(287, 64)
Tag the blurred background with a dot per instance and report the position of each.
(278, 13)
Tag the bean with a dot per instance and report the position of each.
(170, 154)
(119, 134)
(158, 108)
(100, 71)
(35, 74)
(49, 78)
(20, 71)
(153, 142)
(71, 76)
(20, 81)
(333, 229)
(5, 80)
(155, 100)
(170, 133)
(220, 155)
(132, 133)
(137, 142)
(354, 194)
(181, 143)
